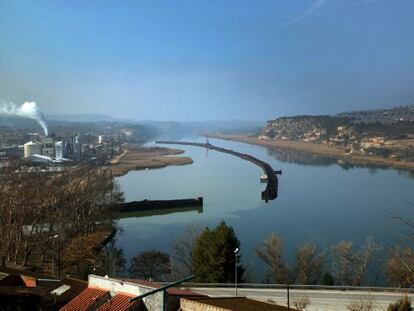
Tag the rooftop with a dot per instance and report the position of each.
(90, 298)
(19, 286)
(231, 304)
(171, 291)
(100, 298)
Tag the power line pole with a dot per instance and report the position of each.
(235, 270)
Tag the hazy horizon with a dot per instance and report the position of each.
(202, 61)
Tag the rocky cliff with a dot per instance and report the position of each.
(384, 133)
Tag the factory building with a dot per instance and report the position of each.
(32, 148)
(59, 150)
(48, 147)
(11, 152)
(76, 148)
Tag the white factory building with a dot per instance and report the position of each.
(59, 150)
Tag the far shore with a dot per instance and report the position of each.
(319, 149)
(140, 158)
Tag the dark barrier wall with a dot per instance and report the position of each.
(147, 205)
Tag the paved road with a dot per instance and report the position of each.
(320, 300)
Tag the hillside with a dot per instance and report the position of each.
(382, 133)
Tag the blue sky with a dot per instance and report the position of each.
(205, 60)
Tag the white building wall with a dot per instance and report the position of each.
(152, 303)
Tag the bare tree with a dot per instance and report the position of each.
(183, 247)
(150, 265)
(79, 257)
(349, 265)
(405, 221)
(271, 251)
(83, 255)
(309, 263)
(112, 258)
(36, 206)
(24, 211)
(399, 266)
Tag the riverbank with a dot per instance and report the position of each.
(139, 158)
(319, 149)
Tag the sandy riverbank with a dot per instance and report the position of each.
(320, 149)
(139, 158)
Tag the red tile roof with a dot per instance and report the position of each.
(75, 288)
(171, 291)
(119, 302)
(99, 299)
(87, 298)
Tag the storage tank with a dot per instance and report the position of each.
(32, 148)
(59, 150)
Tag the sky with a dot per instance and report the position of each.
(207, 59)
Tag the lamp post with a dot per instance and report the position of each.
(54, 258)
(288, 295)
(236, 251)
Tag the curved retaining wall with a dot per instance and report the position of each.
(270, 193)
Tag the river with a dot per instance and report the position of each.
(319, 200)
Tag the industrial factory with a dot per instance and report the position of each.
(67, 144)
(35, 149)
(49, 150)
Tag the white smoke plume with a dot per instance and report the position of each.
(27, 110)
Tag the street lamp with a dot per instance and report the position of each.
(236, 251)
(54, 259)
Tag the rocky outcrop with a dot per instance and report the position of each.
(390, 136)
(307, 128)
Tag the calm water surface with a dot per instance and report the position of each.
(319, 200)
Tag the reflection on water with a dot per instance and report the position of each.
(306, 158)
(319, 200)
(406, 173)
(300, 157)
(161, 211)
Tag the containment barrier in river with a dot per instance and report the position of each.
(149, 205)
(270, 193)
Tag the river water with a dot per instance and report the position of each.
(319, 200)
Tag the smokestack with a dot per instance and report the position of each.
(27, 110)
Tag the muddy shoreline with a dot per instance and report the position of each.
(139, 158)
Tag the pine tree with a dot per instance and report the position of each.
(214, 257)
